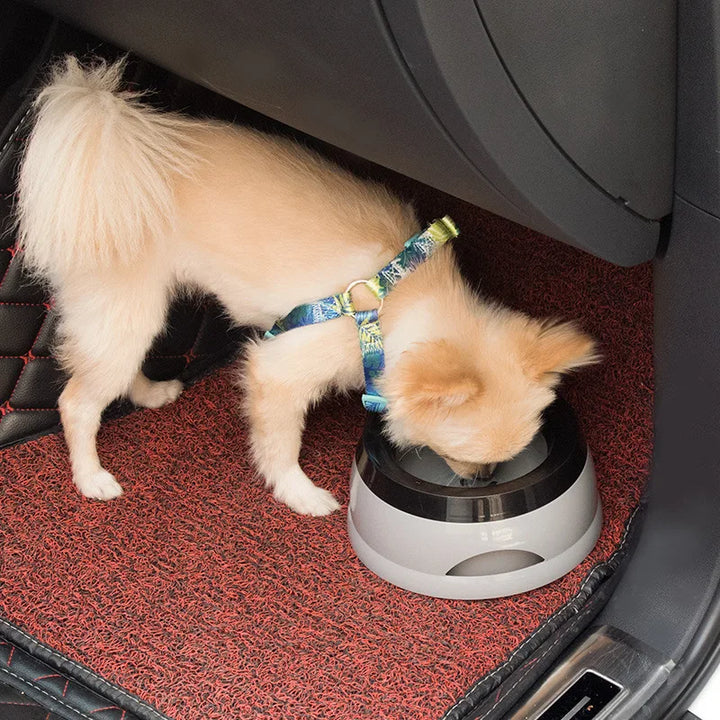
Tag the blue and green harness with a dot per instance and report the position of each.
(415, 252)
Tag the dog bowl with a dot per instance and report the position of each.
(414, 523)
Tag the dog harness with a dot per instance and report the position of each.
(415, 252)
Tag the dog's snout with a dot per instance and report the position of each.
(472, 472)
(486, 471)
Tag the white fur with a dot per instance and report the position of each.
(95, 183)
(120, 206)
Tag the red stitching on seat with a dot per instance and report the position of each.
(6, 409)
(26, 359)
(190, 355)
(12, 250)
(20, 357)
(25, 304)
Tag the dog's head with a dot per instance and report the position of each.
(477, 398)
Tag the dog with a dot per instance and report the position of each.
(120, 207)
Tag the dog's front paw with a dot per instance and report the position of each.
(298, 492)
(308, 502)
(99, 485)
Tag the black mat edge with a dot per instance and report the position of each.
(32, 667)
(492, 695)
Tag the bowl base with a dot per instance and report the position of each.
(481, 587)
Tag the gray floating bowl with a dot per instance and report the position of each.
(413, 523)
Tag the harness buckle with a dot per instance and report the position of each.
(349, 307)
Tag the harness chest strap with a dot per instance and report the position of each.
(415, 252)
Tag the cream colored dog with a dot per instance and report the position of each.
(121, 207)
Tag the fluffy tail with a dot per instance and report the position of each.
(95, 184)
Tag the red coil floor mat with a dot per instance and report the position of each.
(201, 595)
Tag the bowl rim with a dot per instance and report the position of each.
(379, 470)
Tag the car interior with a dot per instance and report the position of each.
(577, 147)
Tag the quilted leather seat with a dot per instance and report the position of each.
(16, 705)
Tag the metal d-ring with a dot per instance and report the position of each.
(369, 286)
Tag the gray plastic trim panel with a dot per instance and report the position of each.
(613, 655)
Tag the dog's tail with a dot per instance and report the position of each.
(96, 181)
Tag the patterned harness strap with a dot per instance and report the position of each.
(415, 252)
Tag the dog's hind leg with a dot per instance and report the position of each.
(152, 393)
(108, 325)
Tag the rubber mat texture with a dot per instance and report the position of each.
(207, 599)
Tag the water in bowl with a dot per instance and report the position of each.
(423, 463)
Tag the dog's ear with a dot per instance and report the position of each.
(554, 348)
(434, 375)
